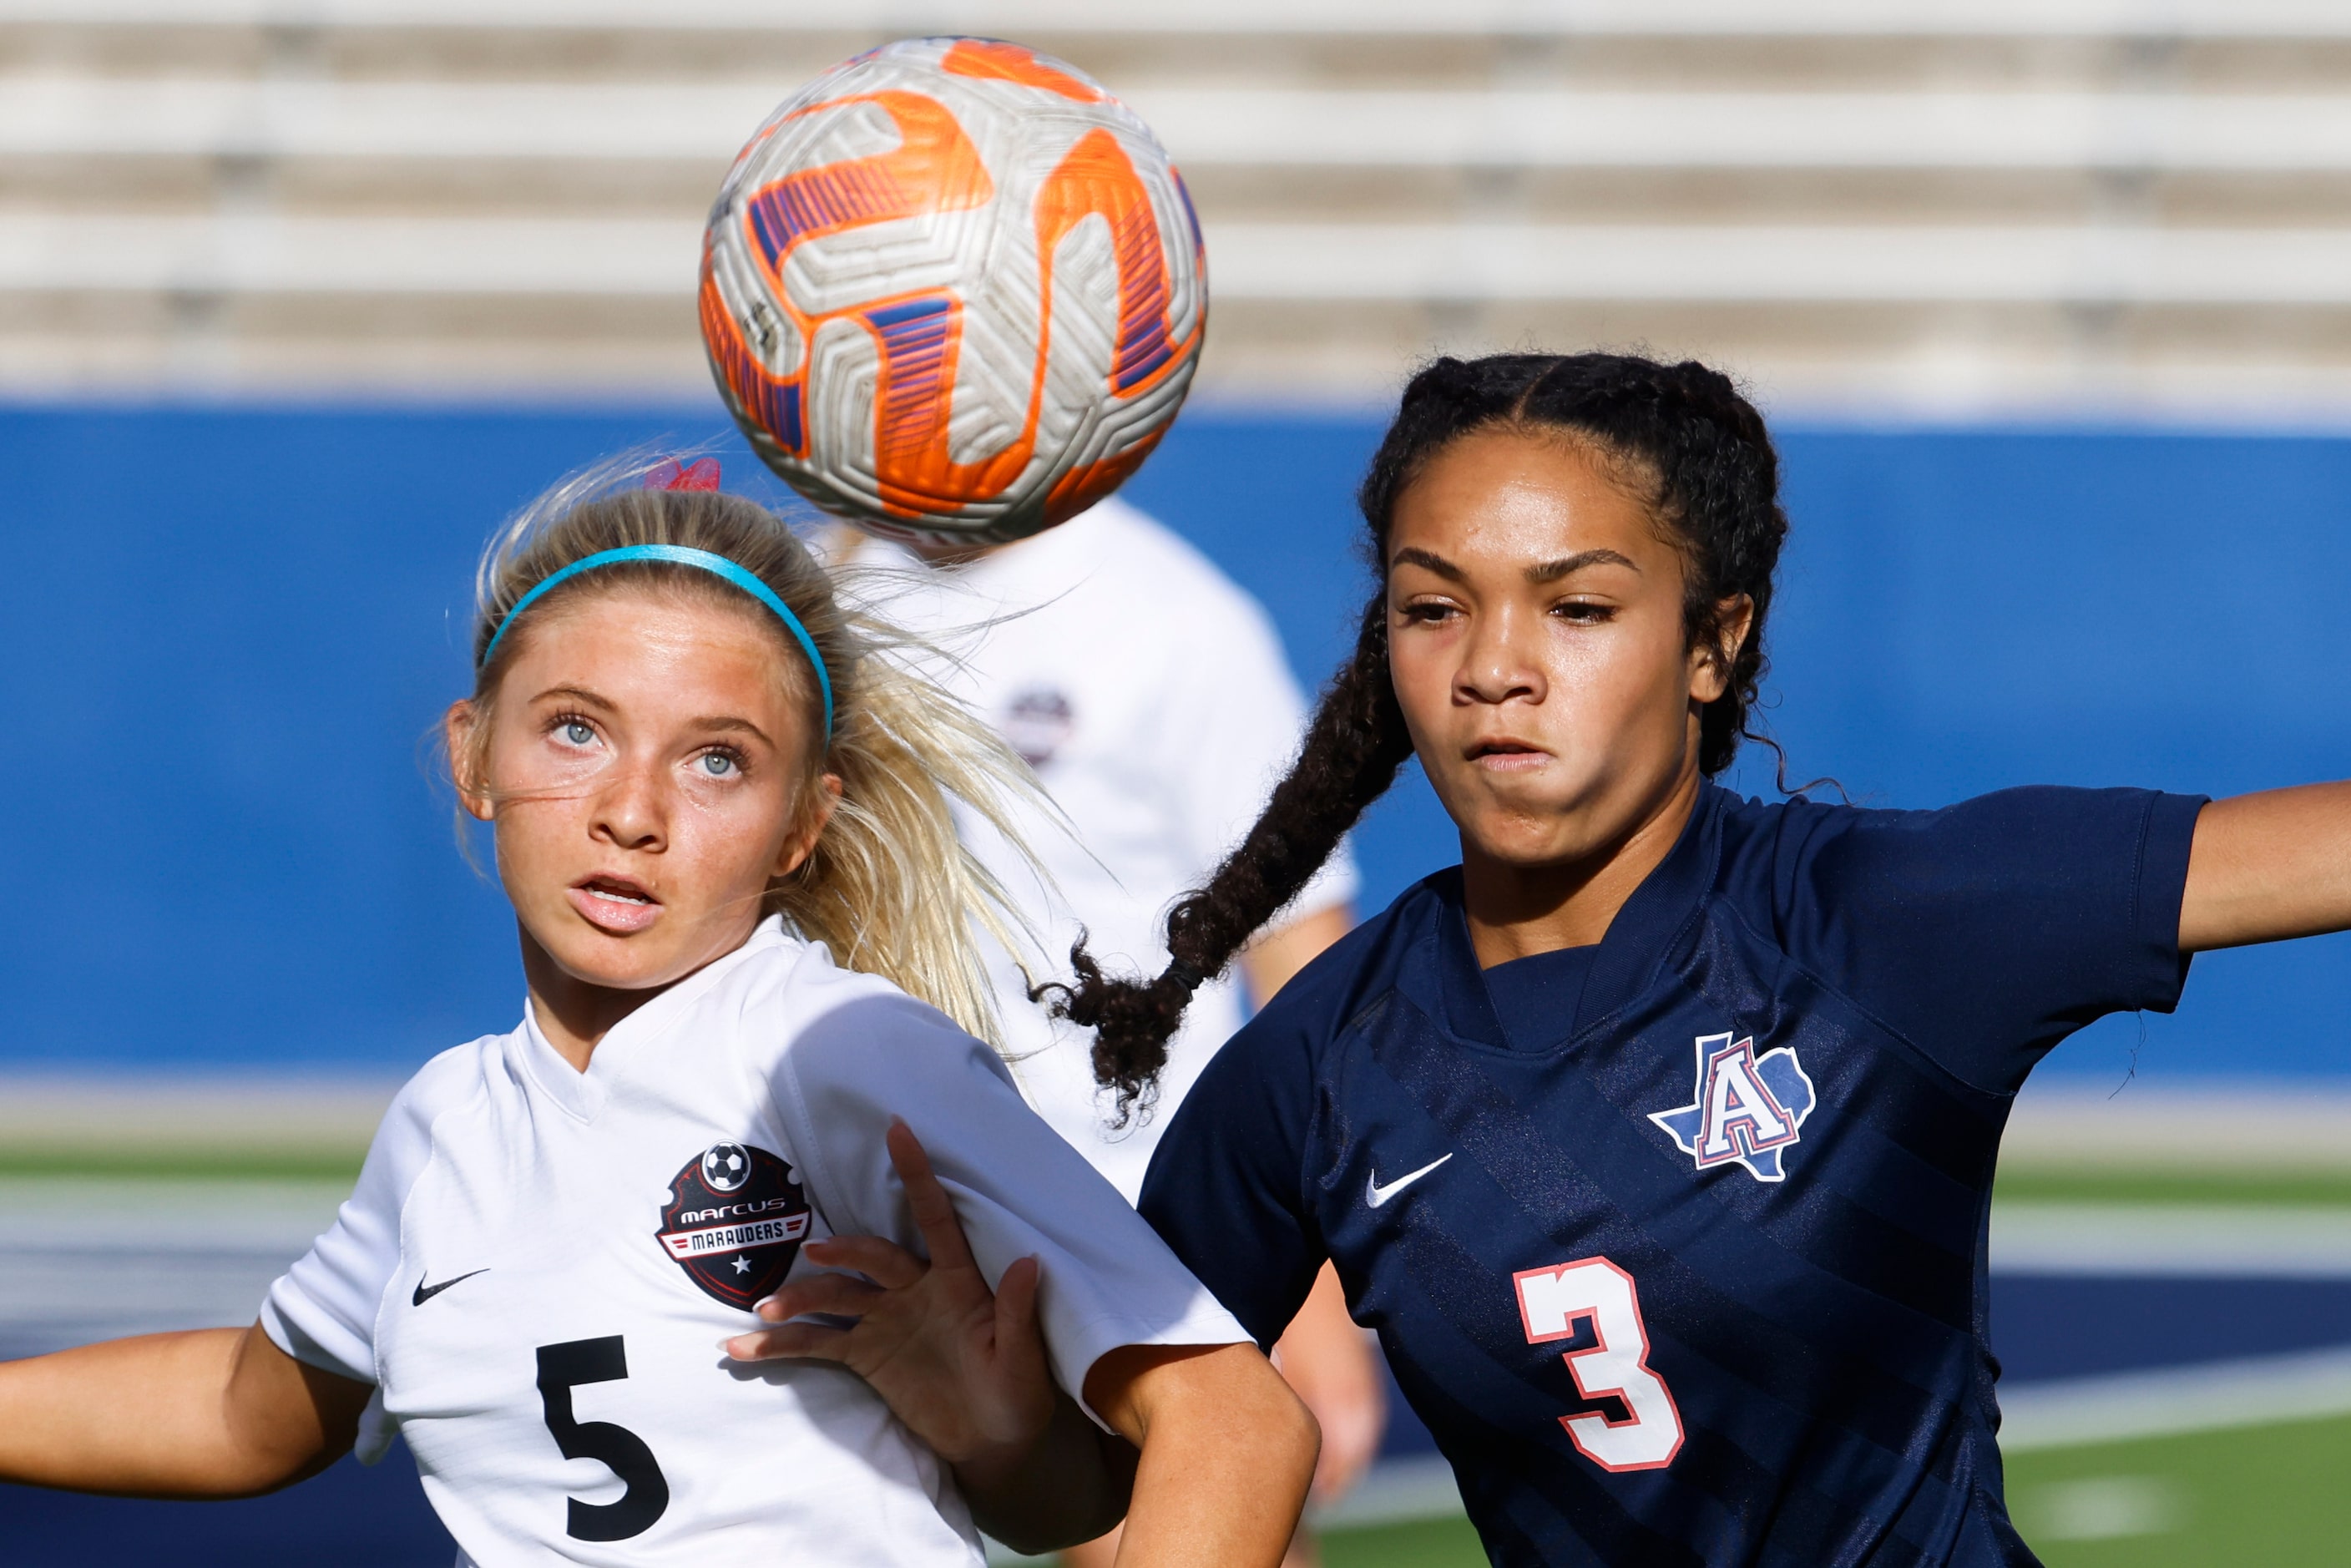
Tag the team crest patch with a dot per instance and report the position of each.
(735, 1221)
(1750, 1108)
(1038, 722)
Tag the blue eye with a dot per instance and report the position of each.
(717, 764)
(577, 733)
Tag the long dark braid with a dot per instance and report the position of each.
(1352, 750)
(1683, 431)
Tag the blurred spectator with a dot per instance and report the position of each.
(1150, 694)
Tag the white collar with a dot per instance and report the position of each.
(582, 1094)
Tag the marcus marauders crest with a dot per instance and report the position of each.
(735, 1221)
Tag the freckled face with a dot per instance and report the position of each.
(1535, 628)
(643, 771)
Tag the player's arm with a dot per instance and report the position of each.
(2268, 866)
(215, 1413)
(1324, 1355)
(1070, 1485)
(1228, 1454)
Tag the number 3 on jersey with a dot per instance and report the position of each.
(1594, 1304)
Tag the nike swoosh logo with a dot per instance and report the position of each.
(425, 1293)
(1375, 1195)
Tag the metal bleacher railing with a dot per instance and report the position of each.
(1941, 204)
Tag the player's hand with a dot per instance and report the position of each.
(961, 1365)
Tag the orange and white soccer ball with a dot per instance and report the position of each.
(952, 288)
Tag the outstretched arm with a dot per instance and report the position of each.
(2268, 866)
(215, 1413)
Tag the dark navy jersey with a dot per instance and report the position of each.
(1677, 1243)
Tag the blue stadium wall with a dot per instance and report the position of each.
(228, 632)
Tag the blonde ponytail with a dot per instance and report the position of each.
(890, 887)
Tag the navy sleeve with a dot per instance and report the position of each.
(1987, 932)
(1226, 1189)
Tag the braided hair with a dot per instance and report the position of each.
(1682, 431)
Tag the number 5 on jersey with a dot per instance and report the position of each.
(562, 1368)
(1593, 1305)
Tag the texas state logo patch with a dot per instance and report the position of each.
(735, 1221)
(1748, 1108)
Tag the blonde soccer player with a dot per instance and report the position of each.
(721, 810)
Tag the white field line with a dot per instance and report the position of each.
(2181, 1241)
(2259, 1391)
(68, 1214)
(83, 1259)
(1393, 1491)
(1958, 18)
(234, 1112)
(2069, 1122)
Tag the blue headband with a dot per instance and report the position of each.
(679, 555)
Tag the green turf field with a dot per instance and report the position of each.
(2249, 1498)
(2260, 1495)
(2323, 1189)
(1429, 1544)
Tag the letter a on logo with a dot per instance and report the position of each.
(1746, 1109)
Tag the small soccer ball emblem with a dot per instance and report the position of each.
(725, 1166)
(952, 288)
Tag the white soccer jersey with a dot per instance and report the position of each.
(537, 1266)
(1151, 695)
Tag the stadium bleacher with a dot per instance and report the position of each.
(1935, 206)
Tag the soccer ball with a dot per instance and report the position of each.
(953, 289)
(725, 1166)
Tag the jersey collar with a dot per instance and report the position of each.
(1637, 943)
(1640, 938)
(582, 1094)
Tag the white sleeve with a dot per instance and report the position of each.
(322, 1311)
(1107, 1278)
(1231, 729)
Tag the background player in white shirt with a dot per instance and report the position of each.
(1150, 693)
(703, 775)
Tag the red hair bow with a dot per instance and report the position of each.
(702, 475)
